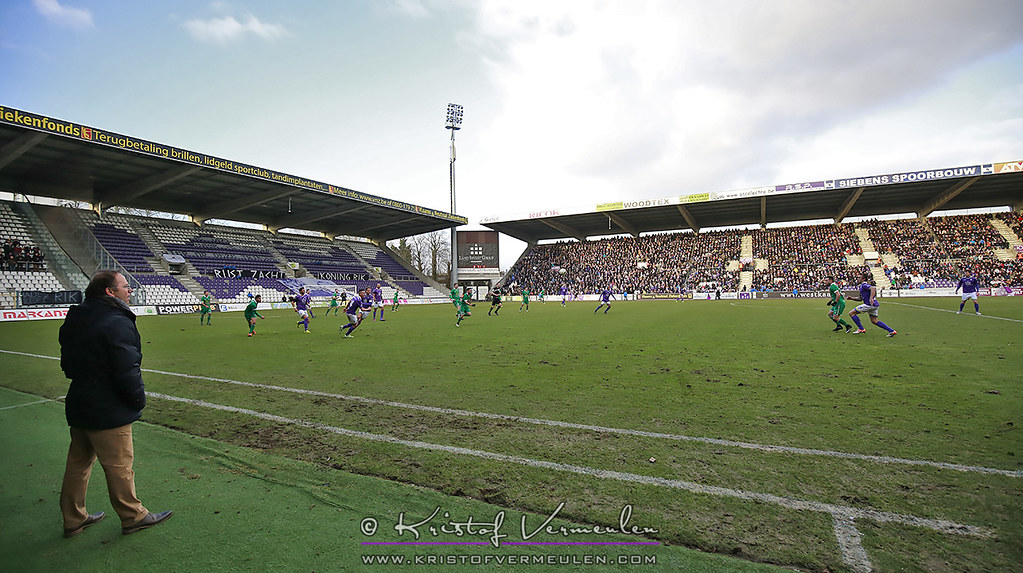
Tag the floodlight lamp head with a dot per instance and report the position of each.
(454, 117)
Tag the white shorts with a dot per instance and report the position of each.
(969, 295)
(352, 318)
(302, 312)
(378, 304)
(867, 309)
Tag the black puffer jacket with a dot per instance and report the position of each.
(101, 352)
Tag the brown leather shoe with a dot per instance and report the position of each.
(93, 518)
(146, 522)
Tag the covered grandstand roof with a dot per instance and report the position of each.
(920, 192)
(60, 159)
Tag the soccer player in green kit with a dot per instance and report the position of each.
(333, 304)
(251, 313)
(455, 298)
(837, 304)
(205, 307)
(463, 306)
(525, 300)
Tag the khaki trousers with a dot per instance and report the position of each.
(116, 453)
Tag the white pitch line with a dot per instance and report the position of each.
(851, 544)
(847, 512)
(26, 404)
(947, 310)
(602, 429)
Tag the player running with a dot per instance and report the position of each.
(205, 307)
(367, 304)
(352, 311)
(495, 303)
(302, 302)
(394, 305)
(463, 308)
(564, 295)
(868, 296)
(525, 300)
(971, 288)
(605, 299)
(251, 313)
(837, 307)
(378, 302)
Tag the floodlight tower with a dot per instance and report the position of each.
(454, 120)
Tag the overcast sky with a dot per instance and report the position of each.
(566, 102)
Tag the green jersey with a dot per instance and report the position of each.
(250, 310)
(204, 304)
(333, 301)
(836, 293)
(525, 296)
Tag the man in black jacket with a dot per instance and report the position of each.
(100, 351)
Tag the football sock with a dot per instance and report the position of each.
(884, 326)
(856, 319)
(961, 305)
(976, 307)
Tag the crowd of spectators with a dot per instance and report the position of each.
(655, 263)
(937, 253)
(967, 236)
(22, 257)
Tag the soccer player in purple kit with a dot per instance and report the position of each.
(868, 296)
(378, 302)
(971, 287)
(367, 303)
(605, 298)
(352, 312)
(564, 294)
(302, 302)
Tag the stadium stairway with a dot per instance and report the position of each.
(58, 263)
(1015, 244)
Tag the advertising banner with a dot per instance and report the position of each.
(30, 314)
(110, 139)
(478, 249)
(40, 298)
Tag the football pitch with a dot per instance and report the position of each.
(743, 428)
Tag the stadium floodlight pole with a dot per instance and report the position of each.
(454, 120)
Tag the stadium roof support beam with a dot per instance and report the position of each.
(564, 229)
(222, 209)
(848, 204)
(149, 184)
(689, 218)
(763, 212)
(627, 226)
(302, 219)
(20, 146)
(945, 196)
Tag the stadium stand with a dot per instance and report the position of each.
(933, 253)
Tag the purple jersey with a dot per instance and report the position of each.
(564, 291)
(367, 303)
(865, 295)
(378, 295)
(354, 304)
(606, 295)
(302, 301)
(968, 284)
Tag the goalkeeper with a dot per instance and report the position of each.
(837, 307)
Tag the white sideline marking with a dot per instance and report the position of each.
(947, 310)
(838, 511)
(602, 429)
(23, 405)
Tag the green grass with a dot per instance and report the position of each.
(946, 389)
